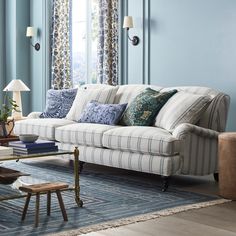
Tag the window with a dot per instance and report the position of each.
(84, 41)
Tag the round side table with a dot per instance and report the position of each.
(227, 165)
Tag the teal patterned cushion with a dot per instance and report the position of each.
(143, 110)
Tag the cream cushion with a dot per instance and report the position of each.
(147, 140)
(102, 94)
(82, 134)
(183, 107)
(45, 128)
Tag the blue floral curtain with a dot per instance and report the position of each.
(108, 42)
(61, 76)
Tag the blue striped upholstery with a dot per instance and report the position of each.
(148, 140)
(45, 127)
(128, 160)
(199, 149)
(188, 149)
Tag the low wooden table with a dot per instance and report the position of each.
(47, 188)
(76, 187)
(5, 141)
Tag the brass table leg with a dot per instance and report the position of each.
(76, 174)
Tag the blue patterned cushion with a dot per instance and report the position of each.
(58, 103)
(108, 114)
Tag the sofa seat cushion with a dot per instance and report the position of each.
(147, 140)
(45, 128)
(83, 134)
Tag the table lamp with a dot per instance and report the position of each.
(16, 86)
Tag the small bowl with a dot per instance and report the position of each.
(28, 138)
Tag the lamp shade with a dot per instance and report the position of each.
(128, 22)
(30, 31)
(16, 85)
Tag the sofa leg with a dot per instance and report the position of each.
(165, 183)
(81, 165)
(216, 177)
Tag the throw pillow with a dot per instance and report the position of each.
(183, 107)
(102, 94)
(145, 106)
(58, 103)
(108, 114)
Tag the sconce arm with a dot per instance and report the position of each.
(134, 40)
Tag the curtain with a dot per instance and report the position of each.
(107, 67)
(61, 76)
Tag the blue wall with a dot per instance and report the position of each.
(40, 63)
(2, 48)
(14, 49)
(18, 60)
(184, 42)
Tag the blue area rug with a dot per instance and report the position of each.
(106, 198)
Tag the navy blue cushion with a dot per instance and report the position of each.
(108, 114)
(58, 103)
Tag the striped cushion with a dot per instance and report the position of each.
(141, 139)
(183, 107)
(101, 94)
(82, 133)
(45, 128)
(215, 116)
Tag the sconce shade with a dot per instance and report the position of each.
(30, 32)
(128, 22)
(16, 85)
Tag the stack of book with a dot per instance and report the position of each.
(5, 151)
(39, 146)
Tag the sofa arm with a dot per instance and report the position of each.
(34, 115)
(186, 128)
(199, 149)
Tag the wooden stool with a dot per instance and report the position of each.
(43, 188)
(227, 165)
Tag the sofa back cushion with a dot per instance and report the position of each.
(85, 94)
(126, 93)
(215, 116)
(183, 107)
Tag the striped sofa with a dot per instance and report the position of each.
(189, 149)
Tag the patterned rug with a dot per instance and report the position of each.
(109, 201)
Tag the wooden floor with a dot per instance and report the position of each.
(219, 220)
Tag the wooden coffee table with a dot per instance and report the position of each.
(75, 153)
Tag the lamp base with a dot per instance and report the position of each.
(17, 98)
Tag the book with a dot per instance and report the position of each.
(4, 151)
(36, 144)
(25, 151)
(37, 147)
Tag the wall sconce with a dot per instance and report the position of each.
(128, 23)
(30, 32)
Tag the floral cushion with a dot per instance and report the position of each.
(58, 103)
(108, 114)
(143, 110)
